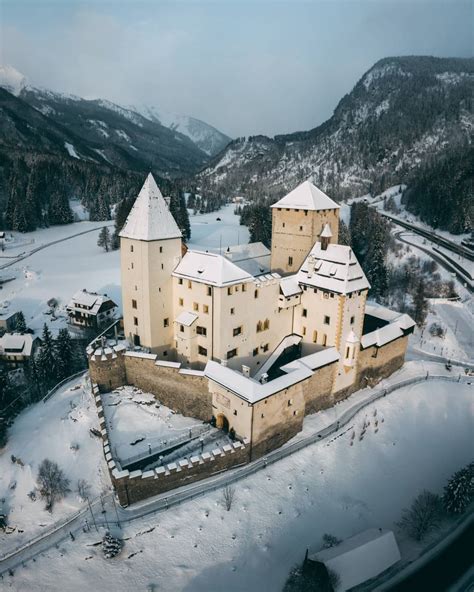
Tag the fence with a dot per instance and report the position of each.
(169, 499)
(56, 387)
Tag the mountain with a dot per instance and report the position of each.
(404, 114)
(206, 137)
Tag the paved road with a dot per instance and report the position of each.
(104, 511)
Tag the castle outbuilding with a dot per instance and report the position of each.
(262, 337)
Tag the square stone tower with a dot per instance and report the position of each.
(150, 249)
(298, 220)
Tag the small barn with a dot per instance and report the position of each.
(359, 558)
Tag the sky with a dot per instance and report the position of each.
(246, 67)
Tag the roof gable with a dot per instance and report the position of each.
(306, 197)
(150, 218)
(210, 268)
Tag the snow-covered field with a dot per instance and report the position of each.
(50, 430)
(422, 435)
(209, 233)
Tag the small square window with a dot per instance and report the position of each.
(237, 331)
(235, 411)
(301, 228)
(195, 306)
(205, 309)
(180, 281)
(229, 290)
(327, 320)
(202, 351)
(304, 312)
(181, 302)
(232, 353)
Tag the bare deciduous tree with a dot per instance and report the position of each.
(228, 494)
(83, 489)
(53, 484)
(423, 515)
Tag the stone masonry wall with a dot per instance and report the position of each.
(317, 389)
(183, 391)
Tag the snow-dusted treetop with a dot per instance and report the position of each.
(150, 218)
(306, 197)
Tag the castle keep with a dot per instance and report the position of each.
(255, 338)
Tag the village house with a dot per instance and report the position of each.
(89, 310)
(16, 348)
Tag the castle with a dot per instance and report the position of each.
(255, 338)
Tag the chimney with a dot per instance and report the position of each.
(326, 236)
(264, 378)
(246, 371)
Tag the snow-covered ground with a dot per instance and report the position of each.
(209, 233)
(417, 438)
(50, 430)
(133, 415)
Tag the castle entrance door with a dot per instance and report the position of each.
(222, 423)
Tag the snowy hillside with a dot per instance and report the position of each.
(205, 136)
(403, 113)
(12, 80)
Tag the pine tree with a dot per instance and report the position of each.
(47, 359)
(65, 354)
(344, 234)
(104, 239)
(20, 325)
(459, 492)
(375, 266)
(420, 304)
(111, 546)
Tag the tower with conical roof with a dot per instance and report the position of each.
(150, 249)
(298, 221)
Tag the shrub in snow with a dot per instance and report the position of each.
(3, 519)
(74, 446)
(423, 515)
(329, 540)
(53, 484)
(436, 330)
(111, 546)
(228, 494)
(83, 489)
(459, 492)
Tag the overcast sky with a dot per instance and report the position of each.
(247, 67)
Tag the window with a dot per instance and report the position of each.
(236, 288)
(325, 339)
(190, 284)
(205, 309)
(255, 352)
(290, 260)
(262, 416)
(265, 347)
(231, 353)
(165, 353)
(283, 225)
(315, 337)
(195, 306)
(290, 402)
(136, 340)
(202, 351)
(304, 330)
(306, 212)
(181, 328)
(301, 228)
(180, 281)
(304, 312)
(347, 351)
(209, 290)
(235, 411)
(255, 294)
(237, 331)
(181, 302)
(136, 288)
(352, 320)
(134, 304)
(244, 288)
(229, 290)
(135, 321)
(232, 311)
(131, 264)
(166, 322)
(201, 331)
(131, 248)
(331, 294)
(327, 320)
(161, 249)
(259, 326)
(315, 290)
(326, 294)
(162, 266)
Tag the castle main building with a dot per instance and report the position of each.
(255, 338)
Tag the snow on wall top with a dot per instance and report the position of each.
(335, 269)
(360, 557)
(306, 197)
(150, 218)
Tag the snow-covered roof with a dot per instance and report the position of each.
(289, 286)
(306, 197)
(335, 269)
(397, 324)
(210, 268)
(352, 338)
(90, 300)
(186, 318)
(361, 557)
(150, 218)
(17, 344)
(316, 360)
(327, 232)
(254, 258)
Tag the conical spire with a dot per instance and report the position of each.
(150, 218)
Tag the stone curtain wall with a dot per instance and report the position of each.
(387, 360)
(184, 391)
(317, 389)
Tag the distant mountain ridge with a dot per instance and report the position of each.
(404, 113)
